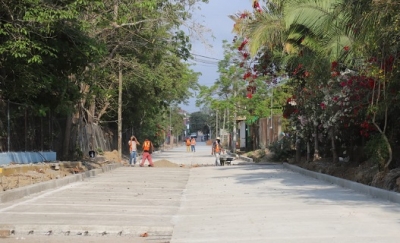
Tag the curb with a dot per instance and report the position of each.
(358, 187)
(247, 159)
(18, 193)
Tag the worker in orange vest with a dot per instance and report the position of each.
(216, 149)
(148, 149)
(187, 144)
(193, 144)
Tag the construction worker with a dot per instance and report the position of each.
(216, 149)
(193, 144)
(133, 142)
(187, 144)
(148, 148)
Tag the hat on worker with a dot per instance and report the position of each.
(218, 138)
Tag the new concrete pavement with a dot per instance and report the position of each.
(238, 203)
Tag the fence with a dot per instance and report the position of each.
(21, 129)
(269, 130)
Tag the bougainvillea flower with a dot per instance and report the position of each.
(365, 124)
(350, 82)
(322, 105)
(247, 75)
(249, 95)
(371, 83)
(346, 48)
(256, 4)
(334, 65)
(335, 74)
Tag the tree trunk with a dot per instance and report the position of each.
(298, 150)
(91, 120)
(67, 136)
(390, 151)
(92, 110)
(335, 157)
(257, 134)
(316, 143)
(308, 151)
(253, 136)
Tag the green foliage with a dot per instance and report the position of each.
(77, 153)
(282, 149)
(41, 44)
(376, 150)
(198, 121)
(261, 153)
(100, 151)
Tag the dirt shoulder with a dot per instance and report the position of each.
(19, 175)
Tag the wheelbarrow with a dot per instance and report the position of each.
(224, 159)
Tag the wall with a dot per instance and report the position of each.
(27, 157)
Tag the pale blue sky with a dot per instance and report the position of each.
(214, 15)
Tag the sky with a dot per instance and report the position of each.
(214, 16)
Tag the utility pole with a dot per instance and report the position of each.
(216, 124)
(234, 120)
(170, 126)
(115, 17)
(119, 111)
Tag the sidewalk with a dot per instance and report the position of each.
(238, 203)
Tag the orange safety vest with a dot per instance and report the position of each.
(146, 146)
(217, 148)
(187, 142)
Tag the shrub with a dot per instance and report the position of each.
(100, 151)
(376, 150)
(282, 149)
(78, 154)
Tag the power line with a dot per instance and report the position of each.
(194, 54)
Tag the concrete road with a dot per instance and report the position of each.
(238, 203)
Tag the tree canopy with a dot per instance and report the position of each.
(339, 61)
(66, 58)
